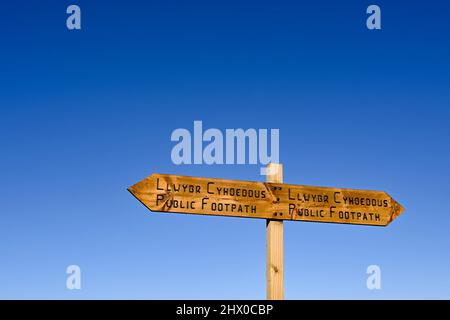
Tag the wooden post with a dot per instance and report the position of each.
(274, 245)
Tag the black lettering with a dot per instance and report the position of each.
(157, 185)
(335, 197)
(291, 208)
(289, 194)
(158, 198)
(332, 211)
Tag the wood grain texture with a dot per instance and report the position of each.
(274, 245)
(269, 200)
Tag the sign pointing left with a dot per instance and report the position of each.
(182, 194)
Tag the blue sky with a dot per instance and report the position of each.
(85, 114)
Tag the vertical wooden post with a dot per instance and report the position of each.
(274, 245)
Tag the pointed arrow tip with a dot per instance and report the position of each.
(131, 190)
(397, 209)
(140, 191)
(134, 190)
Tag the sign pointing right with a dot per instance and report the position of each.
(338, 205)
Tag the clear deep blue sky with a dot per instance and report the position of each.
(85, 114)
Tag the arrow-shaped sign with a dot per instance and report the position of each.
(236, 198)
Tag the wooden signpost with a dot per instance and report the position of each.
(277, 201)
(271, 200)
